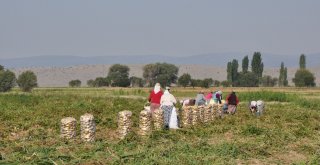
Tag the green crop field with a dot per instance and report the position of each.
(287, 133)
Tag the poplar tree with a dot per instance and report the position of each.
(257, 64)
(229, 72)
(302, 61)
(245, 64)
(283, 75)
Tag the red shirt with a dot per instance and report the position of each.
(155, 97)
(232, 97)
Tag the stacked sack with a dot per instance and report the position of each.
(158, 119)
(124, 123)
(217, 108)
(195, 113)
(220, 110)
(207, 115)
(186, 116)
(201, 110)
(88, 127)
(68, 128)
(145, 122)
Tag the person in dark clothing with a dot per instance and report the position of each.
(232, 101)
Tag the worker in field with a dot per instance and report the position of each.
(209, 97)
(217, 97)
(167, 102)
(154, 98)
(200, 99)
(232, 101)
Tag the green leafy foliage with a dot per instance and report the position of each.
(247, 79)
(283, 81)
(98, 82)
(136, 81)
(245, 64)
(27, 81)
(184, 80)
(304, 78)
(7, 80)
(75, 83)
(163, 73)
(257, 64)
(302, 61)
(268, 81)
(118, 75)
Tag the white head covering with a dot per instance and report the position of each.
(166, 92)
(157, 88)
(253, 103)
(260, 103)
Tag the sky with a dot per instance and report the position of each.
(167, 27)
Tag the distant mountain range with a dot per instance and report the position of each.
(214, 59)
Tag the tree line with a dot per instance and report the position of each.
(26, 80)
(167, 74)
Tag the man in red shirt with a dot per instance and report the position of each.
(154, 97)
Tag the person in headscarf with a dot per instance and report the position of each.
(154, 98)
(232, 101)
(167, 102)
(200, 99)
(209, 97)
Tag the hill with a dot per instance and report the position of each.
(213, 59)
(60, 76)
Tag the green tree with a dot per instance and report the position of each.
(75, 83)
(118, 75)
(136, 81)
(90, 83)
(247, 79)
(1, 68)
(193, 83)
(302, 61)
(234, 74)
(283, 75)
(257, 65)
(216, 83)
(101, 82)
(229, 72)
(27, 81)
(225, 83)
(150, 72)
(163, 73)
(268, 81)
(184, 80)
(245, 64)
(7, 80)
(304, 78)
(206, 83)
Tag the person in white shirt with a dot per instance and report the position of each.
(167, 102)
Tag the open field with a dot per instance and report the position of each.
(288, 133)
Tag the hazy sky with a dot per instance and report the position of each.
(166, 27)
